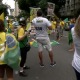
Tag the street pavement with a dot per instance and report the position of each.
(63, 69)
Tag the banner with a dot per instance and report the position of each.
(33, 12)
(2, 16)
(66, 20)
(50, 9)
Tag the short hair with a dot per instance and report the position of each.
(2, 28)
(39, 12)
(22, 21)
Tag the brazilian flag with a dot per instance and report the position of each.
(53, 43)
(12, 57)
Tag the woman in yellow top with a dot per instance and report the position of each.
(3, 66)
(53, 26)
(62, 27)
(23, 40)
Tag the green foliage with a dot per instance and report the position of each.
(23, 14)
(26, 4)
(3, 8)
(43, 4)
(22, 4)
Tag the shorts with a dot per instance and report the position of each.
(5, 68)
(42, 43)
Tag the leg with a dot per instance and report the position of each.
(2, 72)
(40, 49)
(9, 72)
(53, 63)
(57, 35)
(23, 61)
(49, 48)
(23, 56)
(72, 47)
(51, 56)
(77, 75)
(41, 57)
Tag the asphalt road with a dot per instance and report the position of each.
(63, 69)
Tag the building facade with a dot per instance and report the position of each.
(0, 1)
(16, 10)
(71, 7)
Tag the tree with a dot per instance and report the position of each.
(43, 5)
(3, 8)
(23, 14)
(26, 4)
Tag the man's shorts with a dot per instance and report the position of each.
(44, 42)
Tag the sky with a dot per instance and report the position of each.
(9, 2)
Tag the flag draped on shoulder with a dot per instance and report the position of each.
(12, 57)
(2, 16)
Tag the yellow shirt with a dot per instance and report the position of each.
(10, 25)
(62, 24)
(53, 24)
(2, 44)
(20, 32)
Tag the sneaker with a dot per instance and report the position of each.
(53, 64)
(23, 74)
(41, 65)
(26, 67)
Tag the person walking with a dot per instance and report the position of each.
(3, 49)
(23, 40)
(76, 40)
(70, 39)
(41, 25)
(58, 31)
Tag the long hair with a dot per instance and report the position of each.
(2, 28)
(77, 26)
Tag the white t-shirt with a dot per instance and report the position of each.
(76, 58)
(41, 25)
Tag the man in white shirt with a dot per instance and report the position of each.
(41, 25)
(76, 40)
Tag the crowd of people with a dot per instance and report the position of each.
(43, 28)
